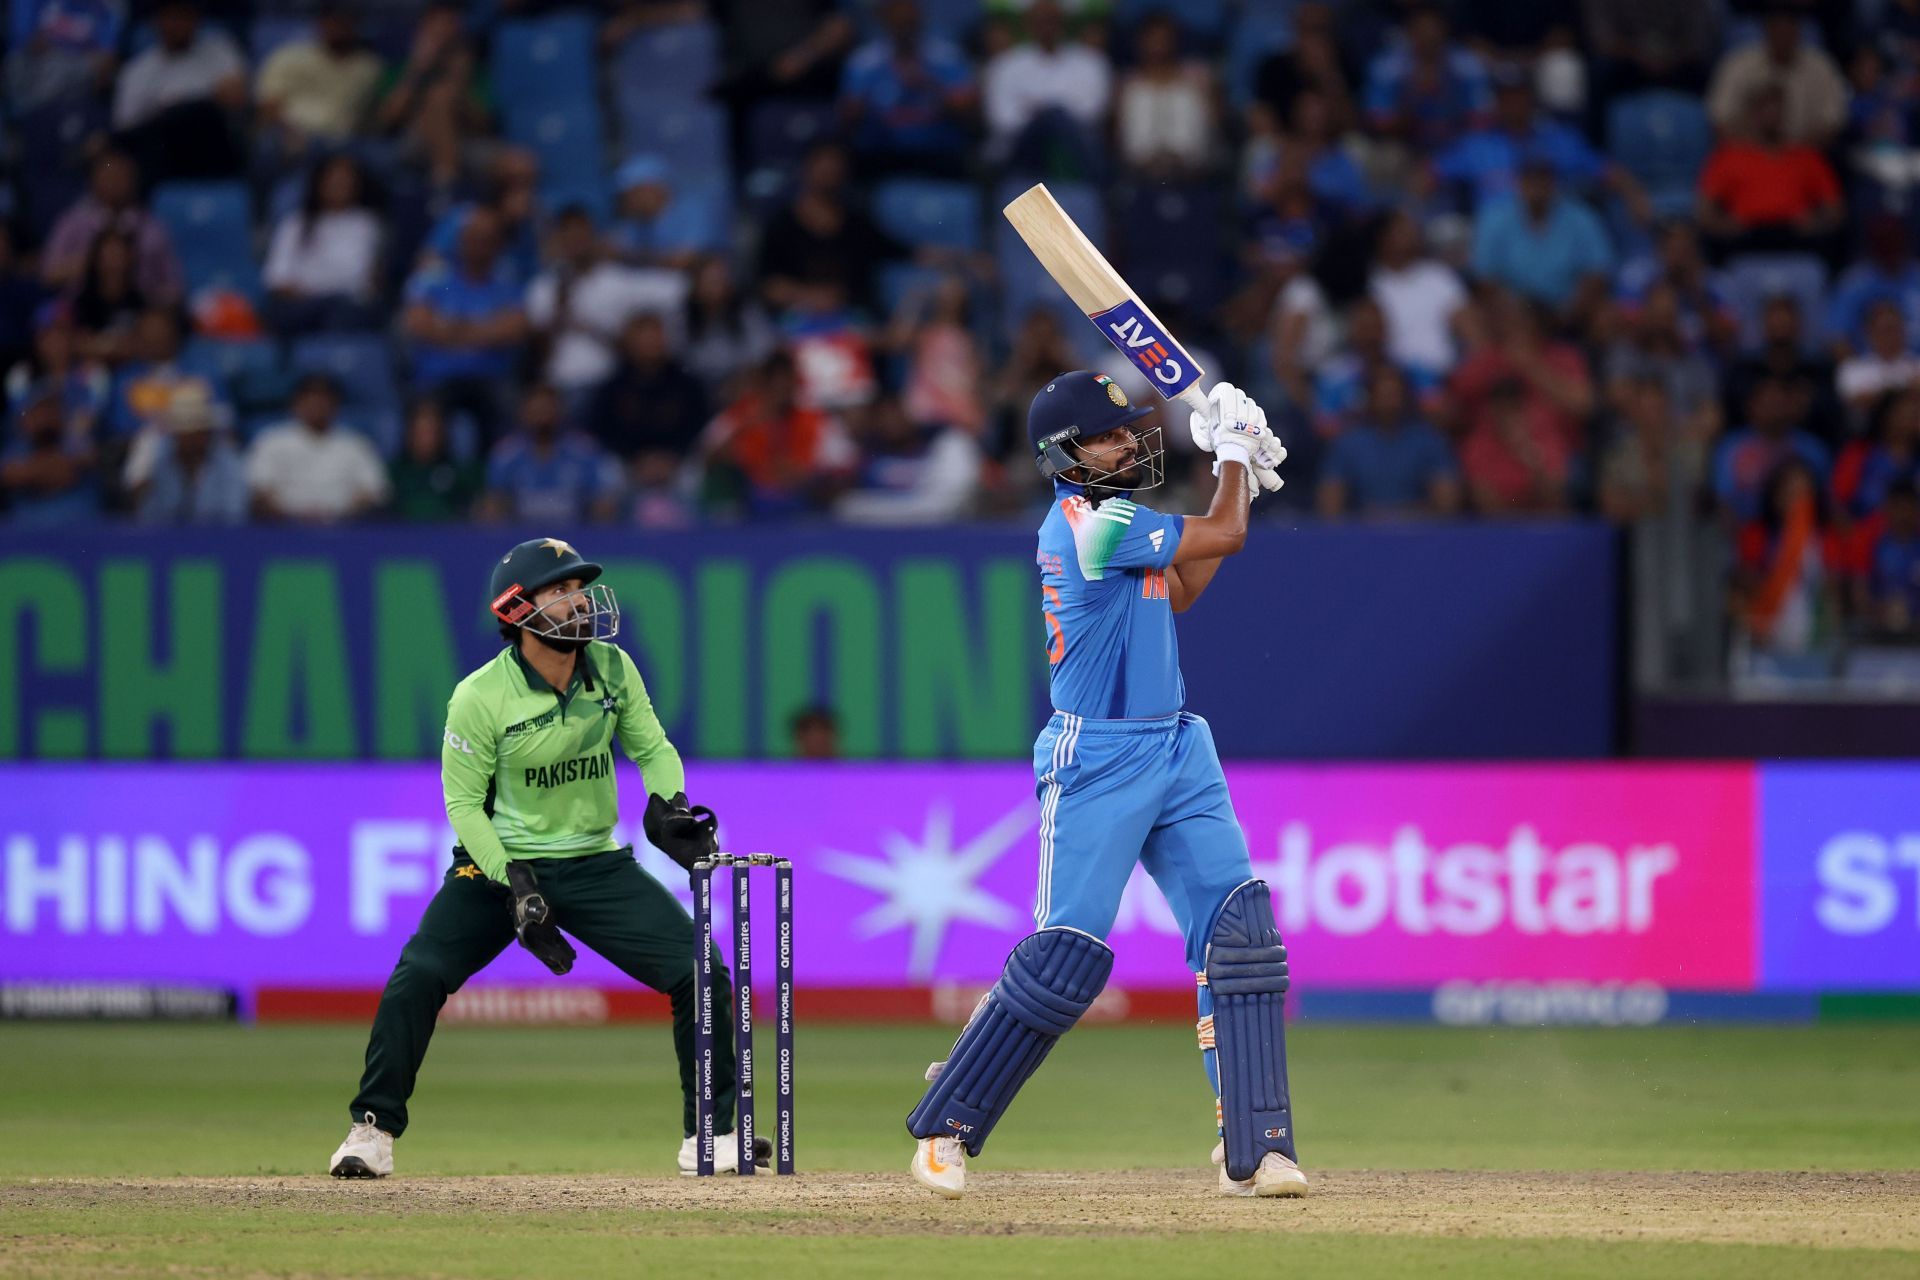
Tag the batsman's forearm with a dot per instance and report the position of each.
(481, 842)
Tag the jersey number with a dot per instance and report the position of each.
(1057, 639)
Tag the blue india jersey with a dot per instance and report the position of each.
(1111, 649)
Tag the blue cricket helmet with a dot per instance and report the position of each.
(1081, 405)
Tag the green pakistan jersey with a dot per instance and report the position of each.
(528, 772)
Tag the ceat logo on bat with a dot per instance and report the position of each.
(1132, 330)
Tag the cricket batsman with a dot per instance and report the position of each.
(527, 765)
(1125, 775)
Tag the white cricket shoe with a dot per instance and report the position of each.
(367, 1152)
(726, 1155)
(940, 1165)
(1274, 1176)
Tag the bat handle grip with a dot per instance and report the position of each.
(1195, 399)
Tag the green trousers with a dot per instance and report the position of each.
(603, 900)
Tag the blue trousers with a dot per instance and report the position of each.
(1118, 792)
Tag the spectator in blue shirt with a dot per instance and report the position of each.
(1343, 383)
(62, 49)
(658, 223)
(1485, 163)
(907, 97)
(1895, 580)
(1544, 244)
(1423, 89)
(47, 472)
(1888, 273)
(542, 475)
(1389, 462)
(512, 193)
(467, 325)
(1774, 434)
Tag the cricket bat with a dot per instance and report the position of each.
(1097, 289)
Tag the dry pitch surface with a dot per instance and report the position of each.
(1819, 1210)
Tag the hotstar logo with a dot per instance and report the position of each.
(928, 884)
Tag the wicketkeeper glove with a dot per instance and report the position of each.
(533, 920)
(686, 833)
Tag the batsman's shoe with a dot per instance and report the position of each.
(726, 1155)
(367, 1152)
(1275, 1176)
(940, 1165)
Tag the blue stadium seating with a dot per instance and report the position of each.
(1751, 279)
(248, 374)
(690, 136)
(778, 135)
(541, 61)
(929, 211)
(363, 363)
(1203, 21)
(212, 228)
(1257, 33)
(1168, 241)
(1662, 138)
(52, 172)
(672, 63)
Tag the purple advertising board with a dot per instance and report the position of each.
(907, 876)
(1840, 856)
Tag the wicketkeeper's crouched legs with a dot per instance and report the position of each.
(465, 926)
(613, 906)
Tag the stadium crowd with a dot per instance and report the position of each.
(661, 262)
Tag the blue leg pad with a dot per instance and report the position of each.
(1247, 975)
(1050, 980)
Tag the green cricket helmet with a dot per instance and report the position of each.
(572, 620)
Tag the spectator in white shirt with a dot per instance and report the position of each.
(1047, 94)
(1421, 297)
(1165, 116)
(312, 468)
(1886, 365)
(322, 262)
(175, 105)
(580, 304)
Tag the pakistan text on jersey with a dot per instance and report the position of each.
(584, 769)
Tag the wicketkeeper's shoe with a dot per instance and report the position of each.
(1275, 1175)
(367, 1152)
(726, 1155)
(940, 1165)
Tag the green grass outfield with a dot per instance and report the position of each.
(142, 1103)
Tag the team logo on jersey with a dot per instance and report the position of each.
(1114, 393)
(609, 704)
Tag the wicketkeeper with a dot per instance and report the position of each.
(527, 766)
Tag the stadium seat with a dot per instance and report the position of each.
(690, 137)
(928, 211)
(541, 61)
(1258, 33)
(665, 64)
(248, 374)
(1203, 21)
(52, 172)
(271, 31)
(1662, 138)
(1751, 279)
(1167, 240)
(363, 363)
(212, 228)
(778, 135)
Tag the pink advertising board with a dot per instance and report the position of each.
(908, 875)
